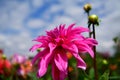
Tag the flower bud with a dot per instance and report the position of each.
(105, 62)
(69, 55)
(93, 19)
(87, 7)
(70, 69)
(113, 66)
(39, 49)
(3, 56)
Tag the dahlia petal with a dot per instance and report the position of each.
(39, 55)
(39, 38)
(80, 63)
(56, 32)
(63, 75)
(86, 48)
(43, 64)
(53, 33)
(61, 61)
(42, 68)
(52, 47)
(36, 46)
(76, 38)
(70, 28)
(91, 42)
(57, 74)
(79, 30)
(62, 30)
(71, 47)
(75, 31)
(42, 39)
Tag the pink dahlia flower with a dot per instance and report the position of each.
(56, 44)
(18, 59)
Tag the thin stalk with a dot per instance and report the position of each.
(88, 13)
(94, 60)
(69, 76)
(89, 24)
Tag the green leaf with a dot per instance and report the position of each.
(105, 76)
(83, 75)
(91, 73)
(115, 39)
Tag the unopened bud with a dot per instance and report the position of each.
(39, 49)
(3, 56)
(87, 7)
(105, 62)
(93, 19)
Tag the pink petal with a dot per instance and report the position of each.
(61, 60)
(44, 40)
(36, 46)
(52, 47)
(56, 74)
(70, 47)
(43, 64)
(74, 31)
(19, 58)
(80, 63)
(79, 30)
(85, 48)
(91, 42)
(76, 37)
(70, 28)
(62, 30)
(39, 55)
(42, 68)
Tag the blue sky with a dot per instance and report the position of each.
(23, 20)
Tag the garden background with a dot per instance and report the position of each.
(23, 20)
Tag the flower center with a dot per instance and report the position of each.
(59, 41)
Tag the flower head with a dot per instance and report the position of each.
(56, 44)
(18, 59)
(5, 66)
(25, 68)
(87, 7)
(93, 19)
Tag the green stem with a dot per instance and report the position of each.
(89, 29)
(89, 24)
(94, 60)
(88, 13)
(69, 77)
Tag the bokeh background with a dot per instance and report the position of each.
(23, 20)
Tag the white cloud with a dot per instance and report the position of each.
(12, 17)
(18, 43)
(37, 3)
(35, 23)
(55, 8)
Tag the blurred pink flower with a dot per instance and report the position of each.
(18, 59)
(56, 44)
